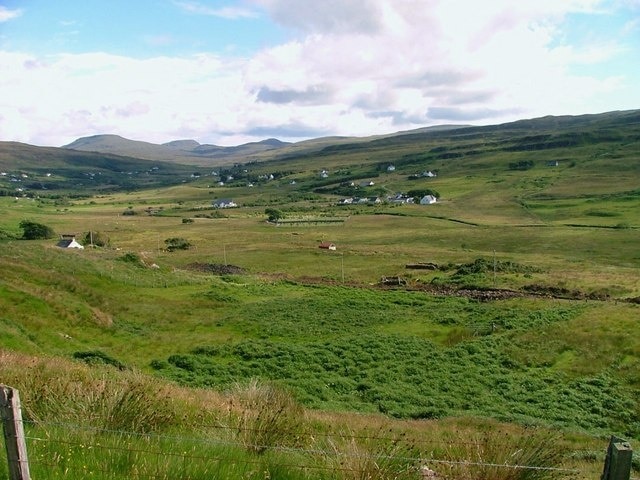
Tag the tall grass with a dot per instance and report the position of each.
(105, 424)
(533, 455)
(56, 390)
(263, 416)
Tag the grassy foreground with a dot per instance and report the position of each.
(95, 423)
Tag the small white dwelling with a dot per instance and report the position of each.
(224, 203)
(428, 200)
(69, 241)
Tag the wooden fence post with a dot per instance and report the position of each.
(14, 440)
(617, 464)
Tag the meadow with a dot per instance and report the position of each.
(526, 319)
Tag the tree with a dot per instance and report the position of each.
(98, 239)
(35, 231)
(274, 214)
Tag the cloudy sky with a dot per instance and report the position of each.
(232, 71)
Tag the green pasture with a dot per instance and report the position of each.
(333, 344)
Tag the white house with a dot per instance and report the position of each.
(225, 203)
(69, 241)
(391, 168)
(428, 200)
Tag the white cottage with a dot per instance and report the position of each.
(69, 241)
(428, 200)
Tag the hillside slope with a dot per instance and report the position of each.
(46, 170)
(179, 151)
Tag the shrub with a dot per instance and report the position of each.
(177, 243)
(35, 231)
(131, 257)
(98, 239)
(274, 215)
(99, 357)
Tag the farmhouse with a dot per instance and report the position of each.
(428, 200)
(69, 241)
(327, 246)
(224, 203)
(400, 198)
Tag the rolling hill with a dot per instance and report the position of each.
(50, 170)
(179, 151)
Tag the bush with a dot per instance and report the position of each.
(98, 239)
(98, 357)
(177, 243)
(35, 231)
(274, 215)
(130, 257)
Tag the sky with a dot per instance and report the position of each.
(228, 72)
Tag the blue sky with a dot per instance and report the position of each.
(229, 72)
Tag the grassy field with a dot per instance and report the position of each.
(527, 317)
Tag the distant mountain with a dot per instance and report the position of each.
(190, 152)
(90, 164)
(30, 170)
(179, 151)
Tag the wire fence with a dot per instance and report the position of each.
(257, 447)
(67, 450)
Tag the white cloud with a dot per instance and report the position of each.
(326, 16)
(400, 65)
(7, 14)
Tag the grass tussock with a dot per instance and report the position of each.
(531, 455)
(54, 389)
(263, 415)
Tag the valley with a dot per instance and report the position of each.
(523, 313)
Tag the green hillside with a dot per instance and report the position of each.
(514, 298)
(45, 172)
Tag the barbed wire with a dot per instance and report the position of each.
(289, 433)
(211, 458)
(415, 460)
